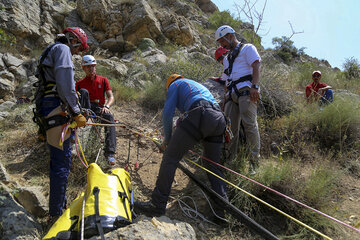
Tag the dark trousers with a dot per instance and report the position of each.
(110, 133)
(209, 124)
(60, 163)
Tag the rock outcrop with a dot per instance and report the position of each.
(16, 223)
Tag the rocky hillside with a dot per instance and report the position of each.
(136, 43)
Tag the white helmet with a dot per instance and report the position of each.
(88, 60)
(222, 31)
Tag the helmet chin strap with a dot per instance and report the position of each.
(69, 36)
(231, 42)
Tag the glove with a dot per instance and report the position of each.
(80, 120)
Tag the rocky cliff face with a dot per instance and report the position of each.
(115, 27)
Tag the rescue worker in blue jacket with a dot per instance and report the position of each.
(59, 104)
(203, 120)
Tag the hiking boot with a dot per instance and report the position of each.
(50, 222)
(148, 209)
(253, 166)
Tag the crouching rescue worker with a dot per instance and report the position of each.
(59, 105)
(203, 120)
(93, 89)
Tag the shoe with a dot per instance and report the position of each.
(253, 166)
(50, 222)
(148, 209)
(111, 159)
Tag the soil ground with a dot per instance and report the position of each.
(27, 161)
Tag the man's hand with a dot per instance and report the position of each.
(254, 95)
(80, 120)
(216, 79)
(104, 109)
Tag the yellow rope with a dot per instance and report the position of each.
(81, 150)
(262, 201)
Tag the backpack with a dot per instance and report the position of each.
(42, 88)
(105, 206)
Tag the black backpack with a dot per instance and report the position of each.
(42, 87)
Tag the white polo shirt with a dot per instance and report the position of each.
(242, 65)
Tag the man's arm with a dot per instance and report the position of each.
(254, 93)
(325, 88)
(109, 101)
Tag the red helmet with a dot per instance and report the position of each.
(220, 53)
(81, 35)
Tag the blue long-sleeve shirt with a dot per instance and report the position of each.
(181, 95)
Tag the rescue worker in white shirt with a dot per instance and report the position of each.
(242, 75)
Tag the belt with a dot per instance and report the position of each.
(204, 103)
(243, 93)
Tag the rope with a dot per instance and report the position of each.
(262, 201)
(77, 142)
(279, 193)
(289, 198)
(188, 211)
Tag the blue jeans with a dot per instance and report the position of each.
(328, 97)
(60, 163)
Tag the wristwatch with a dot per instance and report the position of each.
(255, 86)
(107, 106)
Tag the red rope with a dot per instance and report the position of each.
(279, 193)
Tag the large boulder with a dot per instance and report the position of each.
(157, 228)
(143, 24)
(34, 23)
(154, 56)
(177, 28)
(207, 6)
(6, 88)
(32, 199)
(4, 176)
(119, 25)
(15, 222)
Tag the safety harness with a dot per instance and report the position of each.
(192, 130)
(45, 88)
(231, 84)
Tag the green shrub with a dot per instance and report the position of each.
(333, 127)
(252, 37)
(197, 68)
(318, 186)
(286, 49)
(6, 39)
(352, 68)
(336, 126)
(154, 94)
(290, 178)
(122, 92)
(218, 19)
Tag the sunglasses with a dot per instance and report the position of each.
(316, 75)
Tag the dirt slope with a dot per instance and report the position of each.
(27, 161)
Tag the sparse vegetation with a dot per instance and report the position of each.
(218, 19)
(286, 49)
(352, 68)
(314, 148)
